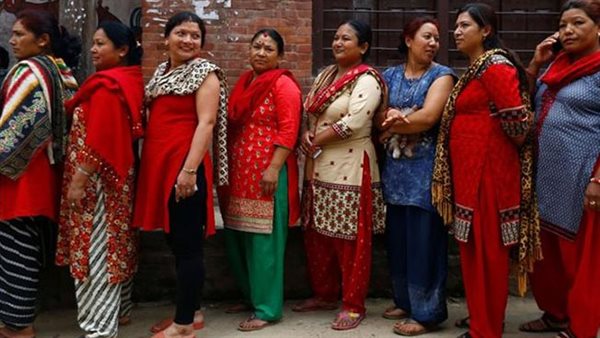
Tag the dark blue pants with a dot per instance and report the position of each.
(417, 245)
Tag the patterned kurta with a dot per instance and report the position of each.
(274, 123)
(336, 176)
(103, 133)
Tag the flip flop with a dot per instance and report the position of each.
(165, 323)
(546, 323)
(6, 332)
(313, 304)
(388, 313)
(462, 323)
(353, 319)
(399, 328)
(249, 328)
(161, 334)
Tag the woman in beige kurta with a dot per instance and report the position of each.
(342, 200)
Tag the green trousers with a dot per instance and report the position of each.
(257, 259)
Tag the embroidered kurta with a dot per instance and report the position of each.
(28, 96)
(107, 119)
(336, 175)
(274, 123)
(489, 111)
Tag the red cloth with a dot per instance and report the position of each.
(274, 121)
(250, 92)
(105, 122)
(35, 193)
(574, 269)
(477, 138)
(173, 121)
(485, 266)
(329, 258)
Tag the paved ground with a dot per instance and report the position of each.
(61, 324)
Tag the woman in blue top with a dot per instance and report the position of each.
(416, 238)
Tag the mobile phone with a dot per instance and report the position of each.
(557, 46)
(317, 152)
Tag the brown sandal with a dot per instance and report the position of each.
(546, 323)
(247, 325)
(401, 328)
(239, 308)
(462, 323)
(394, 313)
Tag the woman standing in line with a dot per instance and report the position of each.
(483, 172)
(416, 239)
(187, 99)
(95, 235)
(568, 174)
(342, 200)
(262, 199)
(33, 134)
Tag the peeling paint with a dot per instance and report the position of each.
(200, 6)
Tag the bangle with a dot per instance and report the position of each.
(189, 171)
(595, 180)
(83, 171)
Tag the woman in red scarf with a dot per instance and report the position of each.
(565, 282)
(186, 99)
(262, 198)
(342, 199)
(95, 235)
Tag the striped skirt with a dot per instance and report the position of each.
(101, 304)
(20, 264)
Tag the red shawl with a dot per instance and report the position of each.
(249, 92)
(128, 83)
(325, 90)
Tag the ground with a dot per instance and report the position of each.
(62, 323)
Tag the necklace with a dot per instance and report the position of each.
(412, 87)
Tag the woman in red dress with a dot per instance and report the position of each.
(482, 179)
(33, 134)
(187, 99)
(98, 185)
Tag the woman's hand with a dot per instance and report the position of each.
(75, 193)
(268, 183)
(543, 51)
(394, 115)
(385, 136)
(306, 144)
(591, 198)
(186, 185)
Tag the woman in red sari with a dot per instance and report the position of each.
(342, 199)
(187, 99)
(483, 172)
(98, 185)
(565, 282)
(262, 199)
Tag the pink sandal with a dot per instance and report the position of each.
(347, 320)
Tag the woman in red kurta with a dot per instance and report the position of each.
(187, 99)
(33, 132)
(95, 235)
(262, 199)
(482, 177)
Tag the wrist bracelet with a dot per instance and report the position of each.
(83, 171)
(595, 180)
(189, 171)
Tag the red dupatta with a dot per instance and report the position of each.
(128, 82)
(326, 90)
(250, 91)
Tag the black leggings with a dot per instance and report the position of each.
(187, 219)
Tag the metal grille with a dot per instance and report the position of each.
(522, 25)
